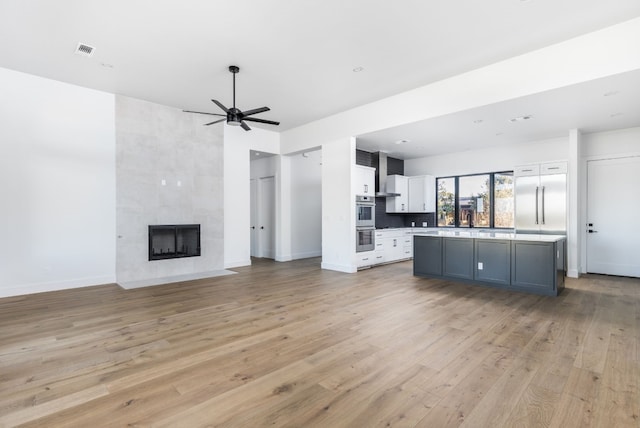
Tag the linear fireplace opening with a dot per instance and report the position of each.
(170, 241)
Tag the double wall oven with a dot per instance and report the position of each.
(365, 223)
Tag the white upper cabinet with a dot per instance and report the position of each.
(422, 194)
(364, 181)
(398, 184)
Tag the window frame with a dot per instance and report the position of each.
(491, 190)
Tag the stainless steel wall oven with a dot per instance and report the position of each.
(365, 239)
(365, 211)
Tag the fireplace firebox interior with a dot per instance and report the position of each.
(174, 241)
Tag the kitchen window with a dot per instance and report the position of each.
(446, 210)
(503, 201)
(478, 200)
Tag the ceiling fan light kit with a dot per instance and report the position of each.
(234, 116)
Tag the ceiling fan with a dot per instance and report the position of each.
(235, 116)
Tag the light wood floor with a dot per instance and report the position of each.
(287, 344)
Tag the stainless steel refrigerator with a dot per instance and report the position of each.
(541, 198)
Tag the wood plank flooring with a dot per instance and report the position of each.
(291, 345)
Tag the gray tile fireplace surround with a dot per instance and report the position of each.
(169, 170)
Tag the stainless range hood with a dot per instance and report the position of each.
(381, 176)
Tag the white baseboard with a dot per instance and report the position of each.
(573, 273)
(128, 285)
(339, 268)
(43, 287)
(306, 255)
(235, 264)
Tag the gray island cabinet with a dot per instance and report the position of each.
(523, 262)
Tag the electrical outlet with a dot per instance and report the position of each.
(480, 266)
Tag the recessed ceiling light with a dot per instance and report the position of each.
(105, 65)
(358, 69)
(610, 93)
(521, 118)
(478, 121)
(402, 141)
(615, 114)
(499, 134)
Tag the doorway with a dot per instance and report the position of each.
(262, 206)
(612, 215)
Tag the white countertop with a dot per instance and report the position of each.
(489, 235)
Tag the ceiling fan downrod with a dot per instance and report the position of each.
(234, 69)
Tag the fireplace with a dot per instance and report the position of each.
(174, 241)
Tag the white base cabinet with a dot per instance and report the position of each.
(365, 259)
(393, 245)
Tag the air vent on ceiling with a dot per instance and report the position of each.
(84, 50)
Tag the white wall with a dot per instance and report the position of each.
(621, 142)
(306, 202)
(237, 144)
(263, 167)
(57, 175)
(492, 159)
(338, 208)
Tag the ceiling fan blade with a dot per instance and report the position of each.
(255, 111)
(215, 121)
(219, 104)
(202, 112)
(254, 119)
(245, 126)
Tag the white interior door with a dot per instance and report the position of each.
(612, 216)
(253, 208)
(267, 216)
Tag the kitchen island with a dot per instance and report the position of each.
(514, 261)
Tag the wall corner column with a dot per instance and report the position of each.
(575, 218)
(283, 209)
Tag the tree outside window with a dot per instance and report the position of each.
(503, 200)
(446, 201)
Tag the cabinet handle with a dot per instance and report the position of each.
(394, 242)
(366, 188)
(537, 188)
(424, 207)
(542, 204)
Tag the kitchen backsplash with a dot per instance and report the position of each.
(364, 158)
(384, 220)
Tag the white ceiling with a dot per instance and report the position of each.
(298, 57)
(595, 106)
